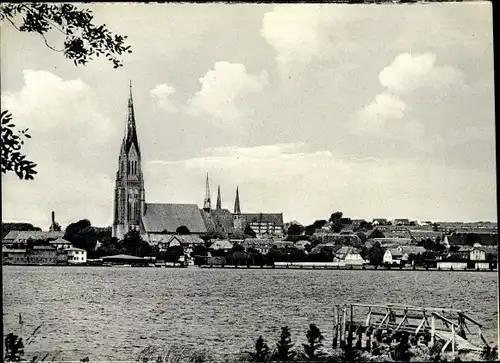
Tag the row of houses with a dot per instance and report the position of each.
(56, 252)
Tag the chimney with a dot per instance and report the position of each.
(53, 217)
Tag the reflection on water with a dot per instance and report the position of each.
(113, 313)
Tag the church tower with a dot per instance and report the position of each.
(129, 186)
(207, 204)
(237, 220)
(219, 200)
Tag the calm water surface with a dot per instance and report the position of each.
(110, 313)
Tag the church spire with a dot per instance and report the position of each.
(207, 204)
(219, 201)
(131, 131)
(237, 209)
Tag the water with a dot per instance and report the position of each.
(109, 313)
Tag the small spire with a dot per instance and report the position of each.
(207, 204)
(237, 209)
(219, 201)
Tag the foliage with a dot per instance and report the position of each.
(172, 254)
(212, 235)
(284, 346)
(324, 255)
(14, 348)
(401, 352)
(335, 216)
(110, 246)
(376, 254)
(249, 231)
(431, 245)
(173, 354)
(261, 350)
(134, 244)
(12, 143)
(295, 229)
(183, 230)
(81, 235)
(314, 342)
(297, 255)
(309, 230)
(489, 354)
(81, 41)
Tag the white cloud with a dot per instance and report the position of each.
(386, 106)
(161, 93)
(221, 89)
(71, 146)
(406, 75)
(411, 71)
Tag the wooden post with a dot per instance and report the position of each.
(433, 329)
(344, 318)
(368, 318)
(453, 339)
(335, 326)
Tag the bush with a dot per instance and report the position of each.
(314, 342)
(14, 348)
(284, 346)
(261, 351)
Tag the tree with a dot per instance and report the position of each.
(336, 216)
(284, 346)
(309, 230)
(376, 254)
(314, 342)
(81, 41)
(12, 156)
(249, 231)
(173, 254)
(261, 350)
(135, 245)
(295, 229)
(14, 348)
(182, 230)
(81, 235)
(319, 223)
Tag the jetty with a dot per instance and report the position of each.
(361, 324)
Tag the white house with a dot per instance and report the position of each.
(76, 255)
(349, 255)
(477, 254)
(393, 256)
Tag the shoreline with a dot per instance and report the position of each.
(277, 267)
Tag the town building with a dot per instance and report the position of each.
(349, 255)
(393, 256)
(76, 256)
(17, 237)
(60, 244)
(223, 245)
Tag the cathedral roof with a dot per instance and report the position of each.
(169, 217)
(276, 218)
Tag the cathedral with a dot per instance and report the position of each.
(157, 220)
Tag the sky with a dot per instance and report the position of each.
(372, 110)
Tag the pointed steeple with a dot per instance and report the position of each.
(219, 201)
(237, 209)
(207, 203)
(131, 131)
